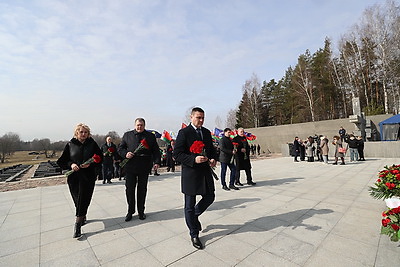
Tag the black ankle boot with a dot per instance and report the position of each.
(77, 230)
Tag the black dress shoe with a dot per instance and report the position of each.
(233, 187)
(128, 217)
(197, 243)
(251, 183)
(77, 230)
(142, 216)
(225, 188)
(239, 183)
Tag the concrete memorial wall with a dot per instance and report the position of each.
(275, 139)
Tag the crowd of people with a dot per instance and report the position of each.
(316, 148)
(138, 155)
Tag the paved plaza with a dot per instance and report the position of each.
(298, 214)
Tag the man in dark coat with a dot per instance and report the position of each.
(139, 165)
(170, 159)
(226, 156)
(296, 148)
(109, 149)
(242, 157)
(196, 177)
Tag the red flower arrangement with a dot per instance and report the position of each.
(142, 147)
(388, 183)
(391, 224)
(96, 159)
(198, 148)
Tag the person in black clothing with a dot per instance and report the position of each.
(360, 148)
(196, 174)
(227, 153)
(258, 149)
(242, 158)
(353, 147)
(109, 149)
(170, 159)
(82, 180)
(342, 133)
(138, 166)
(296, 148)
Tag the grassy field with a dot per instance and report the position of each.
(23, 157)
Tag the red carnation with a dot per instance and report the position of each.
(144, 143)
(395, 227)
(390, 185)
(96, 159)
(142, 147)
(379, 180)
(197, 147)
(385, 222)
(111, 149)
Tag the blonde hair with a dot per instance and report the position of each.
(79, 126)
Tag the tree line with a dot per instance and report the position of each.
(11, 142)
(322, 85)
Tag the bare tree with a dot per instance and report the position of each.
(303, 83)
(218, 122)
(8, 145)
(186, 117)
(231, 119)
(252, 101)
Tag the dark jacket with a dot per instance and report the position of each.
(196, 179)
(143, 161)
(352, 142)
(77, 152)
(226, 148)
(241, 162)
(110, 157)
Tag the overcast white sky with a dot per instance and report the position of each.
(107, 62)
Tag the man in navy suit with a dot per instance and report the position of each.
(196, 177)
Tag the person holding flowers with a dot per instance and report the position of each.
(227, 157)
(109, 150)
(81, 156)
(195, 151)
(242, 157)
(139, 149)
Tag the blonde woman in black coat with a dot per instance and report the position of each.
(81, 181)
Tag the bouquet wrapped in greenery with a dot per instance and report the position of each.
(391, 224)
(388, 183)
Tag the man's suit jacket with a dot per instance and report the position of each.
(143, 162)
(196, 179)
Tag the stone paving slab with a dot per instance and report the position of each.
(298, 214)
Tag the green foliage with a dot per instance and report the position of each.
(374, 109)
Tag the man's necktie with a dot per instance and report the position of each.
(198, 130)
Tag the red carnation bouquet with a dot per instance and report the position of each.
(109, 151)
(391, 224)
(96, 159)
(198, 148)
(235, 146)
(388, 183)
(143, 146)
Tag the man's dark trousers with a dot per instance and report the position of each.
(131, 179)
(193, 211)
